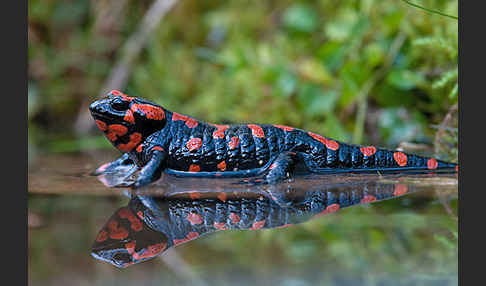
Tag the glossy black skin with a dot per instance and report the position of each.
(164, 146)
(167, 221)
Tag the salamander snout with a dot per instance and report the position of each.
(98, 106)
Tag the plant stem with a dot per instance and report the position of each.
(429, 10)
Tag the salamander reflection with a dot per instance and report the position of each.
(149, 225)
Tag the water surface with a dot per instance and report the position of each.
(404, 232)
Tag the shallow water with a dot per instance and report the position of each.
(406, 235)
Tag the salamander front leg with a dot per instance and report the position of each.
(121, 164)
(152, 171)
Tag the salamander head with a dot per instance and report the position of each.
(127, 121)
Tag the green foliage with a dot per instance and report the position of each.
(334, 67)
(300, 17)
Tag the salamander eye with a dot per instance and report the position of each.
(119, 104)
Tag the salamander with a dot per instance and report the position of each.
(148, 225)
(154, 139)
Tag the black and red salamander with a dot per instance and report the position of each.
(154, 139)
(148, 226)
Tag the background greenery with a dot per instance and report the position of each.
(376, 72)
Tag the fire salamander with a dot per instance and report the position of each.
(154, 139)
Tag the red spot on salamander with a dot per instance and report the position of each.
(102, 236)
(222, 166)
(190, 236)
(332, 208)
(124, 213)
(149, 111)
(285, 225)
(111, 136)
(115, 92)
(234, 218)
(127, 98)
(176, 116)
(333, 145)
(222, 197)
(135, 139)
(257, 225)
(368, 151)
(129, 117)
(256, 130)
(117, 232)
(432, 164)
(190, 122)
(233, 143)
(150, 251)
(400, 189)
(194, 144)
(329, 209)
(219, 134)
(220, 225)
(330, 144)
(284, 128)
(101, 125)
(368, 199)
(400, 158)
(273, 166)
(115, 130)
(130, 247)
(121, 94)
(194, 218)
(135, 223)
(194, 168)
(195, 195)
(157, 148)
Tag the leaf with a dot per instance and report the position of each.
(300, 17)
(314, 71)
(404, 79)
(286, 83)
(453, 93)
(446, 77)
(322, 103)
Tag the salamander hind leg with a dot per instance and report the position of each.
(281, 169)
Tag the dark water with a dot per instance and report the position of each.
(387, 230)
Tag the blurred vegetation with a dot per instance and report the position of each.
(369, 72)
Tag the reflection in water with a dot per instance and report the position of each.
(158, 218)
(410, 240)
